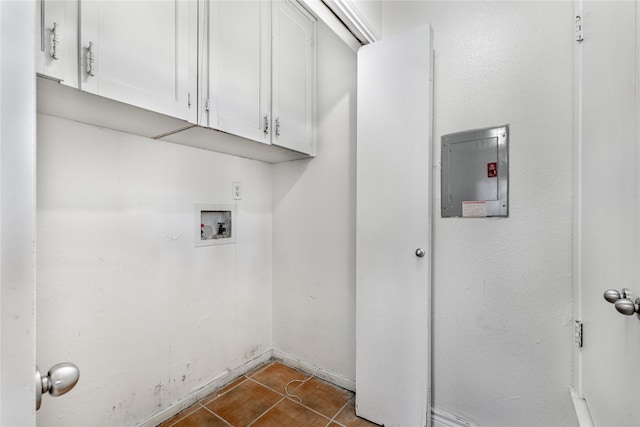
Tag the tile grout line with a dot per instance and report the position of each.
(216, 415)
(264, 385)
(308, 377)
(257, 371)
(246, 377)
(311, 409)
(284, 396)
(333, 420)
(265, 412)
(292, 397)
(220, 395)
(176, 421)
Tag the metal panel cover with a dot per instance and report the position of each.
(475, 173)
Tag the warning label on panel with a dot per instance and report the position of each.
(474, 209)
(492, 170)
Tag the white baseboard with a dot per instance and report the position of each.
(445, 419)
(215, 383)
(336, 379)
(440, 418)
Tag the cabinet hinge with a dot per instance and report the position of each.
(189, 100)
(579, 333)
(579, 32)
(207, 104)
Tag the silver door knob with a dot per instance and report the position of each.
(612, 295)
(60, 379)
(628, 307)
(419, 252)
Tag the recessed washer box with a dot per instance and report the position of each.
(214, 224)
(475, 173)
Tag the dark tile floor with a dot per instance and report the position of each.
(260, 399)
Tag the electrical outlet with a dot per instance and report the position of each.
(236, 190)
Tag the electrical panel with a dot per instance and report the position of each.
(475, 173)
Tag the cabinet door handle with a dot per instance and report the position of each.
(277, 127)
(55, 41)
(90, 60)
(266, 125)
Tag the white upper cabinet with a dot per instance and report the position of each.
(293, 79)
(236, 89)
(53, 49)
(142, 53)
(259, 78)
(156, 67)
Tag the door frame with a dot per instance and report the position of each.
(576, 389)
(577, 223)
(17, 212)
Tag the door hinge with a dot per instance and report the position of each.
(207, 104)
(578, 333)
(579, 32)
(189, 100)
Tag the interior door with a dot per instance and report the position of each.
(17, 213)
(608, 210)
(393, 236)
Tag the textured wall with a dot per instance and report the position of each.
(122, 291)
(314, 227)
(502, 287)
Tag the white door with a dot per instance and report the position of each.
(609, 211)
(142, 53)
(17, 213)
(239, 68)
(393, 225)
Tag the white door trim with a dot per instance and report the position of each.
(577, 226)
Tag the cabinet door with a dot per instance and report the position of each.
(142, 53)
(293, 90)
(239, 68)
(50, 27)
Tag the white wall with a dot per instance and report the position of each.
(138, 310)
(502, 287)
(123, 292)
(314, 227)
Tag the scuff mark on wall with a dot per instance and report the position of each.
(511, 399)
(172, 236)
(200, 324)
(253, 352)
